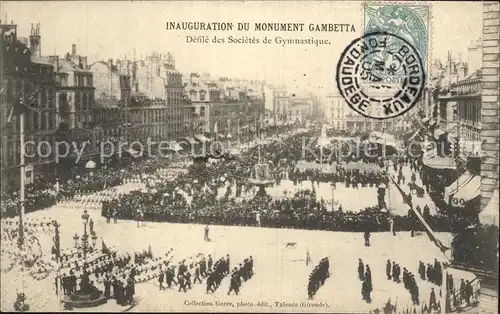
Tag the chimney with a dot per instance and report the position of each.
(73, 50)
(465, 69)
(84, 62)
(34, 40)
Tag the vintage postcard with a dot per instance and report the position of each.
(249, 156)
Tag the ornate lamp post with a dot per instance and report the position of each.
(75, 239)
(85, 219)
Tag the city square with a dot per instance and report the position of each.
(203, 170)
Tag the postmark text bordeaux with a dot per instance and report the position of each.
(380, 75)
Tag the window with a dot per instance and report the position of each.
(84, 102)
(51, 121)
(43, 125)
(63, 79)
(77, 101)
(36, 124)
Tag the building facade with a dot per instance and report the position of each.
(336, 110)
(490, 107)
(28, 87)
(112, 83)
(466, 111)
(299, 109)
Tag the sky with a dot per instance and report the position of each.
(103, 30)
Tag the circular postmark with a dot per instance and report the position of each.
(380, 75)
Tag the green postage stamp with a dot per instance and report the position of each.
(408, 21)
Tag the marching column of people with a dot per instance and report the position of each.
(318, 277)
(393, 271)
(216, 272)
(245, 272)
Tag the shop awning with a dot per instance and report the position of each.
(173, 145)
(438, 133)
(439, 162)
(469, 191)
(489, 214)
(202, 138)
(453, 188)
(134, 153)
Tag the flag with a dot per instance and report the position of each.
(428, 229)
(105, 249)
(23, 105)
(308, 258)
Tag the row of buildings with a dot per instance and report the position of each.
(452, 89)
(124, 100)
(460, 109)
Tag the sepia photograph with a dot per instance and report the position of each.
(249, 156)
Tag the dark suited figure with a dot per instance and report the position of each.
(421, 270)
(206, 237)
(468, 292)
(367, 238)
(233, 286)
(197, 274)
(107, 287)
(462, 290)
(365, 291)
(182, 283)
(368, 275)
(388, 269)
(310, 288)
(161, 279)
(394, 270)
(361, 270)
(210, 262)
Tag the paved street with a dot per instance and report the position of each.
(280, 272)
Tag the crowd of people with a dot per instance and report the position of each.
(166, 201)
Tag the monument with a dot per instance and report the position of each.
(262, 176)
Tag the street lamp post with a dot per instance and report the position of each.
(85, 219)
(57, 253)
(75, 239)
